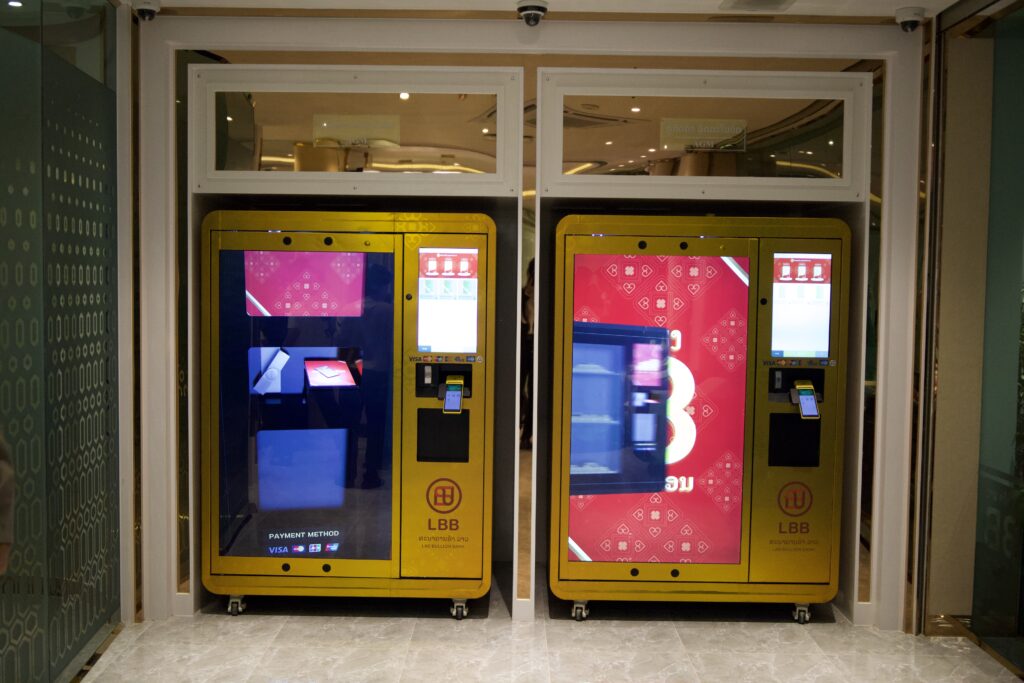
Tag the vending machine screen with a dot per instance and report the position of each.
(305, 394)
(658, 403)
(801, 305)
(447, 301)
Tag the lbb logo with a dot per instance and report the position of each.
(444, 496)
(795, 499)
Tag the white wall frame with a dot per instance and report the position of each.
(853, 89)
(125, 304)
(901, 52)
(206, 80)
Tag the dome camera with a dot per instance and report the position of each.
(532, 11)
(909, 18)
(147, 9)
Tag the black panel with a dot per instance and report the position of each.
(442, 437)
(793, 442)
(439, 374)
(781, 380)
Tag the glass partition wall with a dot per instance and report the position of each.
(59, 572)
(974, 568)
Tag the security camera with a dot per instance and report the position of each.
(147, 9)
(909, 18)
(532, 11)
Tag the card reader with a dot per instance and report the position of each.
(807, 400)
(453, 395)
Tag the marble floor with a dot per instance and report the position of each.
(292, 641)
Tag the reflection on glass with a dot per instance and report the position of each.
(688, 136)
(356, 132)
(656, 441)
(305, 396)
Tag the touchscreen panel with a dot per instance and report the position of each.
(447, 301)
(801, 305)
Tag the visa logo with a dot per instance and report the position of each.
(278, 550)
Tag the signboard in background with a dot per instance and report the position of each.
(692, 135)
(702, 303)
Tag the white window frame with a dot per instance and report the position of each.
(853, 89)
(205, 80)
(902, 54)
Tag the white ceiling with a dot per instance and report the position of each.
(837, 8)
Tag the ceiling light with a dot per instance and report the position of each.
(809, 153)
(455, 163)
(14, 3)
(831, 142)
(607, 142)
(643, 156)
(403, 95)
(630, 161)
(635, 110)
(325, 124)
(652, 149)
(772, 156)
(229, 118)
(664, 146)
(485, 131)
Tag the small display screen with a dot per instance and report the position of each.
(801, 305)
(808, 403)
(453, 398)
(329, 373)
(447, 301)
(304, 284)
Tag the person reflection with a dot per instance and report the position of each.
(378, 320)
(526, 362)
(6, 504)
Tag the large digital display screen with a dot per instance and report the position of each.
(447, 301)
(801, 305)
(305, 375)
(699, 305)
(304, 283)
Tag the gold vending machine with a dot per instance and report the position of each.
(698, 409)
(347, 400)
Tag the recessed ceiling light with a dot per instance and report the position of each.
(325, 124)
(652, 150)
(485, 131)
(403, 95)
(831, 142)
(630, 161)
(14, 3)
(809, 153)
(607, 142)
(772, 156)
(231, 119)
(635, 110)
(664, 146)
(455, 163)
(291, 155)
(643, 156)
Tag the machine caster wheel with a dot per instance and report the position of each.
(236, 605)
(580, 611)
(459, 610)
(802, 613)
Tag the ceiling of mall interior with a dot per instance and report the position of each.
(830, 8)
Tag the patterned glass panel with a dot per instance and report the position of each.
(23, 615)
(80, 309)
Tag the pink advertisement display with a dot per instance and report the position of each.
(304, 283)
(703, 302)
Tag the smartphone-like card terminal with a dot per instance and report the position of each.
(807, 401)
(453, 395)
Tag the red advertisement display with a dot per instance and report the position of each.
(703, 302)
(304, 284)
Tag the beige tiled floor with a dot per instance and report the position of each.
(365, 640)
